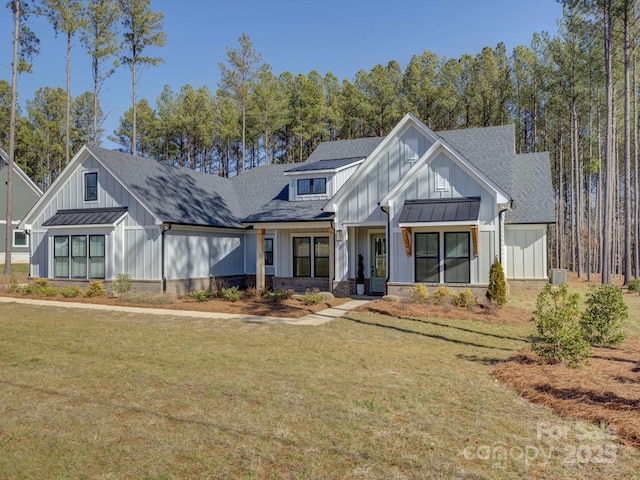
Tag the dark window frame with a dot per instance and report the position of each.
(319, 183)
(88, 257)
(426, 258)
(91, 190)
(268, 252)
(296, 273)
(317, 257)
(454, 259)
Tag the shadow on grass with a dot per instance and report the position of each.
(478, 359)
(429, 335)
(609, 400)
(468, 330)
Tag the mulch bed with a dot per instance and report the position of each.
(607, 390)
(480, 312)
(288, 308)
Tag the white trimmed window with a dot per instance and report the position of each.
(91, 187)
(78, 256)
(20, 238)
(442, 179)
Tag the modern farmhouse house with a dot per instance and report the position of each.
(419, 206)
(25, 195)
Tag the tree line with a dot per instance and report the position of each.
(573, 94)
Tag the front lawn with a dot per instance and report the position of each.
(90, 394)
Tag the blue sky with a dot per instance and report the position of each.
(292, 35)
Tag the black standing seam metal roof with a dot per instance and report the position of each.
(332, 164)
(432, 211)
(86, 216)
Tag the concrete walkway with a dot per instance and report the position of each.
(317, 318)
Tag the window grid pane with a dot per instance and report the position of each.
(96, 256)
(302, 257)
(268, 251)
(457, 264)
(427, 261)
(90, 187)
(321, 257)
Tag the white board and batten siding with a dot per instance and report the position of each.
(526, 251)
(361, 205)
(133, 245)
(192, 253)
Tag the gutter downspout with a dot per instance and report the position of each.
(165, 227)
(501, 227)
(388, 243)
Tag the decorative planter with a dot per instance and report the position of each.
(360, 288)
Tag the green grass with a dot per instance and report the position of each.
(87, 394)
(17, 268)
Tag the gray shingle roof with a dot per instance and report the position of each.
(531, 190)
(526, 178)
(357, 147)
(86, 216)
(449, 210)
(183, 196)
(176, 195)
(281, 210)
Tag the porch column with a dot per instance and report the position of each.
(332, 265)
(260, 278)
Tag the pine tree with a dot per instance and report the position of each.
(497, 289)
(142, 29)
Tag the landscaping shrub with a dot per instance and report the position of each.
(96, 289)
(606, 313)
(560, 337)
(251, 292)
(444, 294)
(71, 291)
(497, 289)
(278, 294)
(232, 294)
(122, 284)
(14, 287)
(466, 298)
(634, 285)
(40, 287)
(327, 296)
(312, 297)
(201, 295)
(391, 298)
(419, 293)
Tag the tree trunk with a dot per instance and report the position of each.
(609, 158)
(68, 121)
(12, 136)
(627, 149)
(134, 134)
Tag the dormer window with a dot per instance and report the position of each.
(312, 186)
(91, 187)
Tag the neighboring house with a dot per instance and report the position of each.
(25, 195)
(420, 206)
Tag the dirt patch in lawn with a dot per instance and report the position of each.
(605, 391)
(247, 305)
(485, 313)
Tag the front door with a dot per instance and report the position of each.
(378, 262)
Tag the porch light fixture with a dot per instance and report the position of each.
(339, 236)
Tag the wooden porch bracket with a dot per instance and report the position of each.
(406, 236)
(474, 239)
